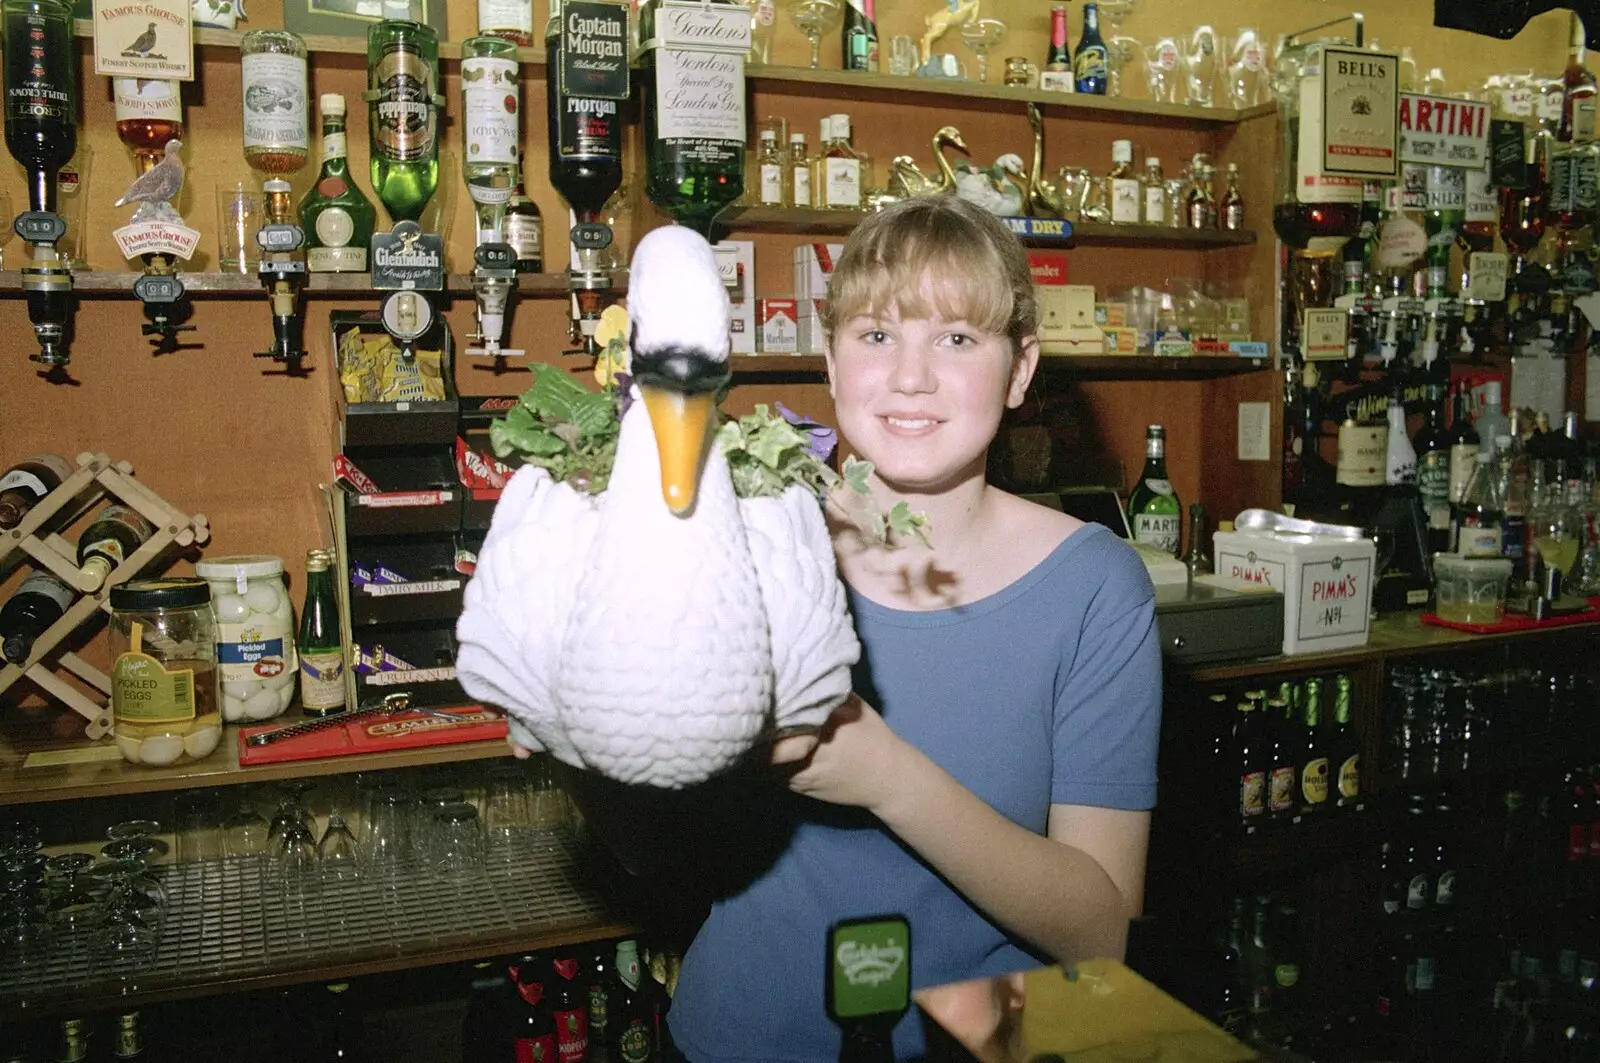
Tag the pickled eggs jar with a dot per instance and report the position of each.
(255, 635)
(164, 670)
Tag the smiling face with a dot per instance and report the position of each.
(931, 320)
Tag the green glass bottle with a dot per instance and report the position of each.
(1446, 213)
(1344, 749)
(321, 644)
(1314, 768)
(1154, 510)
(402, 95)
(337, 218)
(694, 107)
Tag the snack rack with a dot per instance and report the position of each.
(39, 538)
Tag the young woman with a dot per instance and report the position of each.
(991, 778)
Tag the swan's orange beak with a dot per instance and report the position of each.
(682, 426)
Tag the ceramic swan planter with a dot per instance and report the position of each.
(640, 633)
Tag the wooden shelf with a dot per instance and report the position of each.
(800, 221)
(116, 283)
(321, 44)
(96, 769)
(1149, 366)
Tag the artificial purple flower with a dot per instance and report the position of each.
(624, 394)
(820, 439)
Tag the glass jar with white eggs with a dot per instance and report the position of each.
(163, 670)
(255, 635)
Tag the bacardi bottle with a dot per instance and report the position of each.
(403, 115)
(337, 217)
(490, 129)
(694, 106)
(1154, 509)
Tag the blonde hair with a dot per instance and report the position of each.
(935, 255)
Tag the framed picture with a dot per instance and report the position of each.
(350, 18)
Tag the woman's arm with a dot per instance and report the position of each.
(1070, 894)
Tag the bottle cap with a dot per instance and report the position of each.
(1151, 162)
(769, 135)
(826, 128)
(1122, 151)
(797, 138)
(841, 126)
(275, 184)
(331, 103)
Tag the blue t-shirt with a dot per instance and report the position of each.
(1047, 692)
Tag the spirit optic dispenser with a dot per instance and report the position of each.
(41, 101)
(277, 141)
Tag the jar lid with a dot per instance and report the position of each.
(172, 593)
(244, 566)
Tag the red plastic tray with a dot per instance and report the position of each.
(1518, 622)
(375, 734)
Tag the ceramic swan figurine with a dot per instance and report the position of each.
(1001, 189)
(655, 632)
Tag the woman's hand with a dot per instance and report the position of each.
(855, 760)
(520, 752)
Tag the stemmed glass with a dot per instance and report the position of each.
(983, 35)
(337, 855)
(73, 905)
(1120, 51)
(24, 922)
(133, 912)
(816, 19)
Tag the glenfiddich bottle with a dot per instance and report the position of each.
(41, 92)
(149, 113)
(860, 36)
(694, 106)
(337, 218)
(320, 643)
(402, 84)
(1153, 508)
(586, 64)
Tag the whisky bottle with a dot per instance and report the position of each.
(799, 171)
(337, 218)
(1233, 202)
(1153, 508)
(277, 127)
(149, 113)
(525, 231)
(402, 84)
(511, 19)
(1155, 192)
(1200, 204)
(841, 167)
(769, 170)
(1125, 190)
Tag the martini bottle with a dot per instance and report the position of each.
(402, 83)
(694, 107)
(1153, 508)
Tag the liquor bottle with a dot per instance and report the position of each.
(38, 602)
(1314, 754)
(511, 19)
(1446, 857)
(41, 92)
(799, 169)
(1154, 185)
(632, 1038)
(491, 1008)
(1511, 479)
(585, 131)
(1418, 862)
(599, 990)
(1432, 444)
(1250, 756)
(1200, 201)
(402, 84)
(26, 483)
(1446, 210)
(115, 534)
(1284, 923)
(1360, 466)
(1344, 748)
(569, 1004)
(1058, 60)
(1125, 192)
(1482, 216)
(770, 168)
(1091, 62)
(1463, 444)
(337, 218)
(1400, 458)
(1282, 791)
(491, 128)
(1260, 974)
(72, 1041)
(525, 230)
(694, 109)
(840, 167)
(149, 113)
(277, 127)
(1492, 422)
(860, 36)
(321, 642)
(1577, 91)
(534, 1027)
(1233, 202)
(1153, 508)
(127, 1044)
(1230, 1002)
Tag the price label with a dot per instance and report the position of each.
(279, 237)
(153, 289)
(40, 227)
(495, 256)
(591, 234)
(1323, 333)
(1486, 276)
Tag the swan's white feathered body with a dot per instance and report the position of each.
(652, 647)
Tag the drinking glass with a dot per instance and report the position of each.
(199, 825)
(1120, 51)
(763, 18)
(457, 833)
(18, 838)
(1247, 69)
(24, 920)
(903, 56)
(1163, 65)
(983, 35)
(1202, 66)
(244, 832)
(133, 913)
(338, 858)
(295, 860)
(72, 203)
(386, 836)
(142, 851)
(432, 801)
(816, 19)
(74, 906)
(238, 217)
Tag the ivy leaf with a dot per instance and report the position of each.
(515, 433)
(904, 523)
(730, 437)
(858, 474)
(772, 440)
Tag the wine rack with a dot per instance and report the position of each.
(38, 537)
